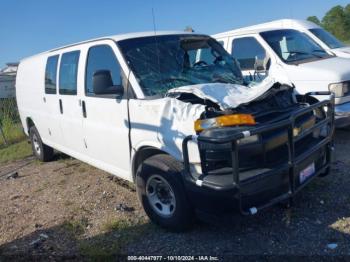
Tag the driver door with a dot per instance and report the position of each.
(105, 112)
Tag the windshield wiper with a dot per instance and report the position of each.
(321, 51)
(303, 53)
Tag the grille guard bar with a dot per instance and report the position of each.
(289, 124)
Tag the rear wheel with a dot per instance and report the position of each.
(162, 193)
(40, 150)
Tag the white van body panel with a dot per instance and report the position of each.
(333, 70)
(163, 124)
(342, 52)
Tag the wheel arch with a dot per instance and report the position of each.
(29, 123)
(142, 154)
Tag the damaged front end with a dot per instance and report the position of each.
(262, 159)
(258, 143)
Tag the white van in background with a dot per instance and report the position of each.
(291, 55)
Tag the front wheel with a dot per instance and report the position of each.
(162, 193)
(41, 151)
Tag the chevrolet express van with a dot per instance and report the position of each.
(172, 113)
(289, 54)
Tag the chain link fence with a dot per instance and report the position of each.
(10, 125)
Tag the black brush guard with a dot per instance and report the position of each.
(291, 166)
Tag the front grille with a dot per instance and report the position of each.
(270, 150)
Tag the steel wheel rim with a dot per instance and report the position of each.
(36, 144)
(160, 196)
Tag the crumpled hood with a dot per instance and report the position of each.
(227, 95)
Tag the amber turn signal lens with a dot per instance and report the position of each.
(226, 120)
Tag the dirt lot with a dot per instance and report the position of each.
(68, 210)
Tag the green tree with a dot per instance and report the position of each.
(314, 19)
(347, 21)
(334, 22)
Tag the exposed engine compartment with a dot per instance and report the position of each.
(274, 105)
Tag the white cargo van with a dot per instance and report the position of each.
(285, 53)
(171, 112)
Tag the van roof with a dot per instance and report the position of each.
(276, 24)
(118, 38)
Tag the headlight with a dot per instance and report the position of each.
(340, 89)
(226, 120)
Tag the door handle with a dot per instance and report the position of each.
(61, 106)
(83, 107)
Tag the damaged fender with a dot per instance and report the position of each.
(163, 124)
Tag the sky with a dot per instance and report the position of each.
(30, 27)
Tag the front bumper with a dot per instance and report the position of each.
(342, 115)
(248, 191)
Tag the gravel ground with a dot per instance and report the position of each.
(68, 210)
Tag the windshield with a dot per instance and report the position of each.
(327, 38)
(164, 62)
(293, 46)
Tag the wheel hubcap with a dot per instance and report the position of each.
(160, 196)
(36, 144)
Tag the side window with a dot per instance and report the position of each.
(221, 42)
(50, 75)
(69, 73)
(206, 56)
(246, 50)
(103, 73)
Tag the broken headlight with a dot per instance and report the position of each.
(225, 120)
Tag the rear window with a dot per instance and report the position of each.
(69, 73)
(50, 75)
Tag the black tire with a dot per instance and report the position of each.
(168, 169)
(41, 151)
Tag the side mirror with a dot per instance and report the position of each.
(102, 84)
(262, 65)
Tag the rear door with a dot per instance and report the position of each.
(71, 120)
(106, 125)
